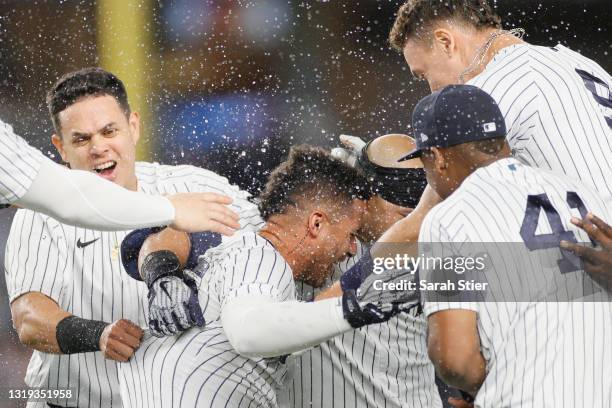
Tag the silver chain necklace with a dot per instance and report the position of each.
(482, 51)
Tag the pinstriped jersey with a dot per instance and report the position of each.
(80, 269)
(538, 354)
(382, 365)
(199, 368)
(19, 165)
(558, 110)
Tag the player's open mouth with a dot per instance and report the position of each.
(106, 169)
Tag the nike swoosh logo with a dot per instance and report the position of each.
(84, 244)
(162, 285)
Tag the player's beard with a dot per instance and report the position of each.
(316, 274)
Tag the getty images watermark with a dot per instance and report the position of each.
(404, 262)
(482, 272)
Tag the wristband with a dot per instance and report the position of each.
(76, 335)
(130, 249)
(351, 309)
(132, 243)
(159, 264)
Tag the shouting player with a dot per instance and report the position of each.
(509, 351)
(70, 299)
(312, 206)
(30, 180)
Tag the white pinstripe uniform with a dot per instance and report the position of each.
(19, 165)
(80, 269)
(383, 365)
(539, 354)
(200, 368)
(558, 110)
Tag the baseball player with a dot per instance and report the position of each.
(30, 180)
(70, 299)
(247, 294)
(556, 103)
(509, 351)
(383, 365)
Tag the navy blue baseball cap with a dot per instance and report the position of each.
(454, 115)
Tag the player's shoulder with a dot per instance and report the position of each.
(242, 241)
(445, 217)
(481, 189)
(564, 62)
(24, 215)
(25, 221)
(522, 62)
(152, 171)
(483, 185)
(521, 55)
(509, 61)
(184, 177)
(490, 184)
(509, 176)
(6, 130)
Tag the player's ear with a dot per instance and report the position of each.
(58, 142)
(316, 222)
(134, 124)
(440, 162)
(444, 40)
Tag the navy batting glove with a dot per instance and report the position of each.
(362, 314)
(173, 307)
(167, 312)
(192, 280)
(173, 303)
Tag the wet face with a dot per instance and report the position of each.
(97, 136)
(334, 242)
(379, 216)
(437, 62)
(446, 168)
(438, 174)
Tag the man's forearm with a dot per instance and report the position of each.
(288, 327)
(453, 344)
(334, 291)
(84, 199)
(469, 378)
(166, 240)
(36, 317)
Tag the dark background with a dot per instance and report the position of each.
(235, 83)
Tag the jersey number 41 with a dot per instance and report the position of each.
(535, 204)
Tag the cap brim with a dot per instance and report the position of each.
(412, 155)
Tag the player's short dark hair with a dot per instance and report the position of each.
(86, 82)
(416, 16)
(310, 172)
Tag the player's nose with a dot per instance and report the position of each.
(98, 145)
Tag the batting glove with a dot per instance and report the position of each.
(360, 314)
(173, 307)
(362, 304)
(173, 295)
(351, 152)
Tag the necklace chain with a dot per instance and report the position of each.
(482, 51)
